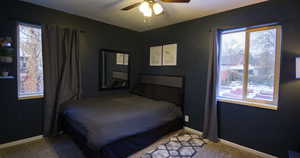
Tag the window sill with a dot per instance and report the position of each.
(257, 105)
(31, 97)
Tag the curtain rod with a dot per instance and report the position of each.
(38, 24)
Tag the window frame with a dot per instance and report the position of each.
(35, 95)
(256, 102)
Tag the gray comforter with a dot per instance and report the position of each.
(104, 120)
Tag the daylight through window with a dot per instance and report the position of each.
(30, 61)
(249, 66)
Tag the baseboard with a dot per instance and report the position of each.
(234, 145)
(192, 130)
(249, 150)
(22, 141)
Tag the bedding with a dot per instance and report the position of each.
(104, 120)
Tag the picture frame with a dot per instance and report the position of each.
(297, 67)
(163, 55)
(156, 56)
(170, 55)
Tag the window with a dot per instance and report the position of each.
(165, 55)
(30, 61)
(121, 59)
(249, 66)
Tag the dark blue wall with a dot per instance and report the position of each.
(269, 131)
(21, 119)
(265, 130)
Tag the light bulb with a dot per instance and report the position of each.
(146, 9)
(157, 8)
(148, 12)
(144, 6)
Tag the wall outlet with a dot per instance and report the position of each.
(186, 118)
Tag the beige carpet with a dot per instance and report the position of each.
(63, 147)
(59, 147)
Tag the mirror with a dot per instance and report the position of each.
(114, 69)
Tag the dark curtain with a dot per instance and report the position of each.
(210, 126)
(61, 73)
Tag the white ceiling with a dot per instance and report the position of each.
(108, 11)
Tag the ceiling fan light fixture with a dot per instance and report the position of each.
(157, 8)
(147, 12)
(144, 6)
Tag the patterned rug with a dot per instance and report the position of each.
(183, 145)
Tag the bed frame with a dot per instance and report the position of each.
(154, 84)
(169, 88)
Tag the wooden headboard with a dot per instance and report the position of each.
(161, 87)
(170, 81)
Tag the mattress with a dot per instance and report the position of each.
(104, 120)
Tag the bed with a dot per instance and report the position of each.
(119, 125)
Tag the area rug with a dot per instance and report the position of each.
(182, 145)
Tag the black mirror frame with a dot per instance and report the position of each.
(100, 65)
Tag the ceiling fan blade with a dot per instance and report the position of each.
(176, 1)
(131, 6)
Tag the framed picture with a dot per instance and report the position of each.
(122, 59)
(119, 59)
(170, 55)
(165, 55)
(297, 67)
(126, 59)
(156, 56)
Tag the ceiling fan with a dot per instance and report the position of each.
(148, 7)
